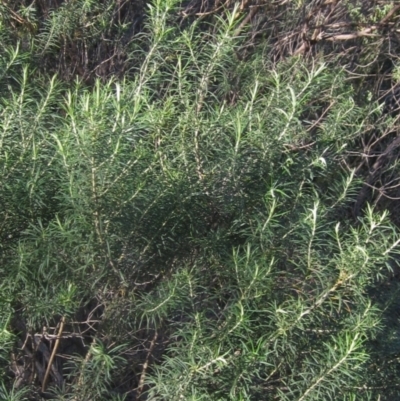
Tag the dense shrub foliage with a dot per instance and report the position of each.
(188, 232)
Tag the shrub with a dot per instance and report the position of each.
(192, 226)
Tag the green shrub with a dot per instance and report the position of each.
(206, 206)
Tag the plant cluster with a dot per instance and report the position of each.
(187, 232)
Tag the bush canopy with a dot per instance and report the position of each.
(197, 226)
